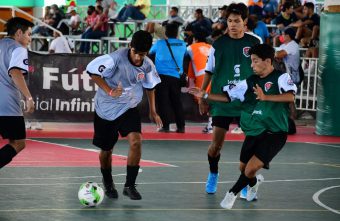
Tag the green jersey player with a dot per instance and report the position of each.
(265, 99)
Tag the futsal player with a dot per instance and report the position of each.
(228, 61)
(265, 98)
(121, 77)
(13, 67)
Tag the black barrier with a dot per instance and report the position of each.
(62, 91)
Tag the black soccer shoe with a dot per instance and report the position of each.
(132, 192)
(110, 190)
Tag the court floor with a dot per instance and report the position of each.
(42, 182)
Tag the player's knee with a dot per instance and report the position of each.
(135, 144)
(250, 171)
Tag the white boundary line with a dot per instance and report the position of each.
(94, 150)
(322, 144)
(317, 201)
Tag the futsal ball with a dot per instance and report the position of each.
(90, 194)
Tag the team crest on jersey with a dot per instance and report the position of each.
(246, 51)
(140, 76)
(25, 61)
(267, 86)
(101, 68)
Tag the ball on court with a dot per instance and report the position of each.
(90, 194)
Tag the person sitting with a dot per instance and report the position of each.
(74, 21)
(99, 29)
(159, 29)
(138, 11)
(60, 44)
(200, 24)
(221, 23)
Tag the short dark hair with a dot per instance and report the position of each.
(239, 9)
(141, 41)
(171, 30)
(263, 51)
(16, 23)
(99, 7)
(286, 5)
(174, 8)
(199, 11)
(309, 5)
(251, 24)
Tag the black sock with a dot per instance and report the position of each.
(131, 175)
(7, 153)
(242, 182)
(252, 181)
(213, 163)
(107, 175)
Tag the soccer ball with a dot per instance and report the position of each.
(90, 194)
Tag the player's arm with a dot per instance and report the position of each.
(206, 96)
(284, 97)
(20, 83)
(113, 92)
(152, 108)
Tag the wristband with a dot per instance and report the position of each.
(205, 96)
(110, 93)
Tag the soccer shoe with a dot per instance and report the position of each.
(243, 193)
(252, 191)
(207, 130)
(228, 201)
(236, 130)
(163, 130)
(211, 184)
(132, 192)
(110, 190)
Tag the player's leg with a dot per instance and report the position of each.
(134, 156)
(254, 165)
(105, 137)
(220, 128)
(13, 129)
(131, 128)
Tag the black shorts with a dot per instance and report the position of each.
(222, 121)
(106, 132)
(12, 127)
(264, 146)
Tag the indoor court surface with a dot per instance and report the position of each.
(42, 183)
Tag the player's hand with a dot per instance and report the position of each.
(117, 91)
(30, 106)
(196, 92)
(259, 93)
(154, 117)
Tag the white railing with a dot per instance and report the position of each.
(306, 97)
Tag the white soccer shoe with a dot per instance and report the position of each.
(252, 191)
(228, 201)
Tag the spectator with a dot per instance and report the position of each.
(309, 26)
(168, 92)
(40, 28)
(270, 8)
(261, 29)
(159, 29)
(200, 24)
(221, 23)
(109, 7)
(90, 19)
(74, 21)
(198, 52)
(139, 11)
(98, 30)
(250, 26)
(255, 8)
(60, 44)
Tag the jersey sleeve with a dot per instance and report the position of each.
(286, 84)
(102, 66)
(236, 92)
(53, 45)
(210, 66)
(151, 78)
(19, 60)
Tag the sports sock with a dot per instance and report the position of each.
(7, 153)
(131, 175)
(213, 163)
(242, 182)
(252, 181)
(107, 176)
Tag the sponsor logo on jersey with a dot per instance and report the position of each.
(237, 71)
(246, 51)
(101, 68)
(257, 112)
(231, 86)
(140, 76)
(267, 86)
(25, 61)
